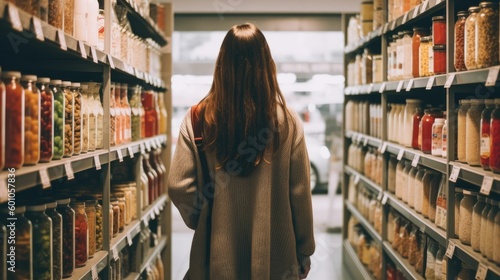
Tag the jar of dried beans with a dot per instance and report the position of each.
(470, 39)
(46, 120)
(466, 208)
(476, 222)
(462, 133)
(487, 35)
(472, 148)
(459, 62)
(495, 138)
(81, 233)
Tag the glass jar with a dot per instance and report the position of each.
(127, 113)
(366, 78)
(99, 117)
(484, 149)
(484, 221)
(81, 233)
(459, 61)
(426, 127)
(391, 177)
(85, 118)
(431, 57)
(404, 181)
(57, 225)
(31, 120)
(433, 195)
(69, 14)
(23, 244)
(495, 138)
(419, 189)
(46, 120)
(42, 241)
(418, 33)
(136, 105)
(470, 39)
(411, 186)
(113, 117)
(90, 211)
(163, 123)
(424, 56)
(473, 123)
(417, 117)
(68, 118)
(490, 228)
(116, 216)
(59, 114)
(123, 196)
(496, 241)
(14, 120)
(439, 30)
(130, 192)
(120, 116)
(56, 11)
(427, 180)
(399, 56)
(439, 64)
(411, 106)
(407, 54)
(476, 223)
(487, 35)
(68, 219)
(466, 272)
(92, 117)
(461, 129)
(444, 137)
(77, 118)
(466, 208)
(99, 224)
(399, 178)
(437, 134)
(459, 195)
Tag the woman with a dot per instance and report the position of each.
(259, 224)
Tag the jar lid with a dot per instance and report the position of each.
(28, 78)
(63, 201)
(11, 74)
(474, 9)
(407, 32)
(84, 87)
(462, 14)
(486, 4)
(75, 84)
(439, 47)
(469, 192)
(51, 205)
(55, 82)
(489, 101)
(413, 101)
(464, 101)
(35, 208)
(401, 33)
(66, 83)
(425, 39)
(420, 29)
(44, 80)
(439, 120)
(438, 18)
(377, 57)
(477, 101)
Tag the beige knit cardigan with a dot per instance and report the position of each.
(261, 224)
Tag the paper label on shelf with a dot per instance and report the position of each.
(120, 155)
(94, 54)
(130, 152)
(356, 179)
(449, 81)
(415, 12)
(454, 174)
(492, 77)
(393, 26)
(152, 215)
(365, 142)
(416, 158)
(38, 30)
(129, 239)
(410, 85)
(386, 26)
(111, 62)
(62, 40)
(422, 228)
(380, 196)
(14, 18)
(97, 162)
(430, 82)
(115, 254)
(153, 145)
(94, 273)
(487, 184)
(405, 18)
(158, 143)
(401, 154)
(482, 270)
(384, 148)
(400, 86)
(69, 171)
(382, 88)
(370, 88)
(424, 6)
(83, 51)
(157, 211)
(384, 200)
(451, 249)
(44, 177)
(4, 192)
(136, 72)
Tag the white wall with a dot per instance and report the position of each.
(264, 6)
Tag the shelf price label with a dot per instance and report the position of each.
(451, 249)
(97, 162)
(111, 61)
(415, 12)
(454, 174)
(148, 146)
(416, 158)
(393, 26)
(130, 152)
(14, 18)
(69, 171)
(129, 239)
(405, 18)
(370, 88)
(482, 270)
(94, 54)
(451, 78)
(142, 148)
(422, 228)
(384, 199)
(152, 215)
(492, 77)
(94, 273)
(44, 177)
(487, 185)
(356, 179)
(380, 196)
(365, 142)
(410, 85)
(400, 86)
(401, 154)
(382, 88)
(157, 211)
(83, 51)
(424, 6)
(37, 28)
(430, 82)
(115, 254)
(120, 155)
(153, 145)
(383, 148)
(62, 40)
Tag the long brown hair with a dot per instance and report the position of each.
(241, 109)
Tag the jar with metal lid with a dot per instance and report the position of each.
(68, 118)
(487, 35)
(466, 208)
(81, 233)
(127, 111)
(14, 120)
(476, 223)
(424, 56)
(411, 186)
(123, 196)
(426, 124)
(490, 228)
(90, 211)
(42, 241)
(116, 216)
(77, 118)
(439, 64)
(459, 195)
(427, 180)
(400, 59)
(439, 30)
(57, 226)
(411, 106)
(59, 114)
(437, 134)
(417, 117)
(68, 219)
(473, 123)
(495, 138)
(496, 241)
(484, 222)
(461, 129)
(459, 60)
(46, 120)
(85, 133)
(366, 78)
(418, 33)
(484, 150)
(31, 120)
(470, 39)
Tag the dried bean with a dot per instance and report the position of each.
(460, 45)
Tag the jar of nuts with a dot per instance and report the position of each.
(77, 118)
(470, 39)
(99, 111)
(68, 118)
(85, 118)
(487, 35)
(31, 120)
(459, 62)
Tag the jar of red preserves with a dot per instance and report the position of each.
(419, 113)
(81, 233)
(2, 123)
(485, 133)
(439, 59)
(417, 33)
(439, 30)
(426, 123)
(495, 138)
(14, 120)
(148, 102)
(46, 120)
(68, 219)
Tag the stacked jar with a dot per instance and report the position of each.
(42, 241)
(495, 138)
(46, 120)
(459, 57)
(31, 120)
(418, 33)
(439, 47)
(59, 116)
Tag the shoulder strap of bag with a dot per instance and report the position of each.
(198, 139)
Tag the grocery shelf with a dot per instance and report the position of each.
(472, 76)
(427, 160)
(363, 138)
(366, 225)
(135, 147)
(473, 259)
(154, 209)
(418, 220)
(367, 182)
(153, 252)
(142, 25)
(123, 238)
(353, 264)
(476, 175)
(403, 264)
(94, 266)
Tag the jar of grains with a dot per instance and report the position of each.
(419, 189)
(473, 123)
(437, 134)
(59, 105)
(466, 208)
(439, 52)
(68, 218)
(459, 195)
(476, 223)
(399, 178)
(14, 120)
(31, 120)
(459, 61)
(77, 118)
(485, 133)
(439, 30)
(56, 11)
(495, 138)
(90, 211)
(411, 186)
(418, 32)
(69, 14)
(490, 237)
(484, 222)
(68, 118)
(470, 39)
(461, 130)
(42, 241)
(57, 225)
(487, 35)
(424, 56)
(427, 180)
(46, 120)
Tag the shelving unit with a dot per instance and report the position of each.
(449, 88)
(352, 261)
(366, 225)
(50, 52)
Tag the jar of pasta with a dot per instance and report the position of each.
(470, 39)
(487, 35)
(31, 120)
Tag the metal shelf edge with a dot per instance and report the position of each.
(367, 182)
(371, 230)
(472, 258)
(436, 163)
(475, 175)
(403, 264)
(99, 261)
(352, 261)
(153, 252)
(119, 242)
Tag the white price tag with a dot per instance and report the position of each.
(83, 51)
(97, 162)
(410, 85)
(482, 270)
(451, 250)
(148, 146)
(37, 28)
(44, 177)
(95, 275)
(69, 171)
(487, 184)
(158, 143)
(382, 88)
(380, 31)
(137, 73)
(129, 239)
(380, 196)
(400, 86)
(365, 142)
(356, 179)
(62, 39)
(370, 88)
(422, 228)
(401, 154)
(405, 18)
(15, 20)
(130, 152)
(438, 1)
(111, 62)
(157, 211)
(424, 6)
(416, 158)
(449, 81)
(393, 26)
(386, 26)
(4, 192)
(153, 145)
(120, 155)
(454, 174)
(492, 77)
(415, 12)
(430, 82)
(384, 200)
(115, 254)
(384, 148)
(94, 54)
(152, 215)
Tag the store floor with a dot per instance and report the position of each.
(326, 262)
